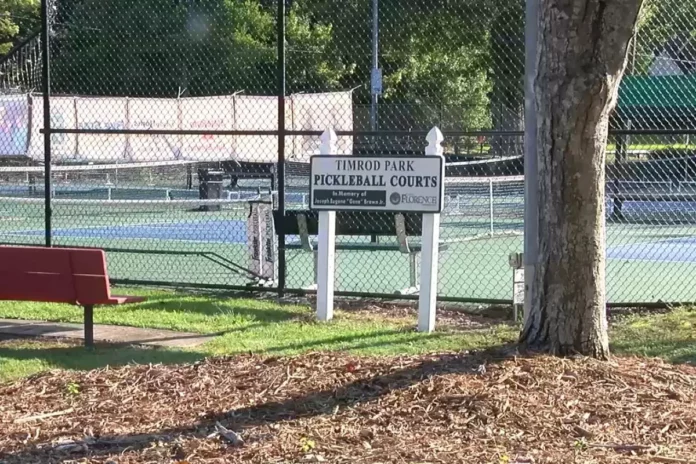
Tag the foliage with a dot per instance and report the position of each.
(151, 48)
(18, 18)
(661, 22)
(457, 63)
(444, 61)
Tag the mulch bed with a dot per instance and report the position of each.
(459, 407)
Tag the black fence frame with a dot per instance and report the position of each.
(281, 133)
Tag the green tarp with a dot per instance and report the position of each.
(657, 92)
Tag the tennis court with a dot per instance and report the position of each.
(163, 235)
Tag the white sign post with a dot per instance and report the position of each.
(326, 248)
(431, 238)
(399, 184)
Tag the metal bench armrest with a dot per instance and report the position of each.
(400, 221)
(304, 232)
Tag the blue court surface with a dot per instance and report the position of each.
(211, 231)
(676, 250)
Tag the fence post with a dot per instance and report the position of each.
(326, 248)
(531, 196)
(46, 90)
(282, 271)
(430, 242)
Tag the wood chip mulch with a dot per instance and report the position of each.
(489, 407)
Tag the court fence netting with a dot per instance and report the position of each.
(169, 135)
(160, 225)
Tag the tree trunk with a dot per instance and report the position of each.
(581, 57)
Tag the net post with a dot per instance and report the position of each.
(490, 203)
(326, 248)
(46, 90)
(427, 299)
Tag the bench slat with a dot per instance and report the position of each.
(35, 259)
(350, 223)
(88, 261)
(30, 286)
(92, 289)
(413, 248)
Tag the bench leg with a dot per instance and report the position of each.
(313, 285)
(316, 266)
(413, 269)
(413, 266)
(89, 326)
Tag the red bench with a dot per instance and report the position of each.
(58, 275)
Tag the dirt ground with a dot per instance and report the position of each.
(494, 407)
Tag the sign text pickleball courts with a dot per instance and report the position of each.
(399, 183)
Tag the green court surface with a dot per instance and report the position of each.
(173, 242)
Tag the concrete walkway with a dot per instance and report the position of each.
(102, 333)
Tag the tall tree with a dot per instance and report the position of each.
(582, 51)
(433, 53)
(161, 47)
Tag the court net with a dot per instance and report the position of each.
(136, 181)
(79, 212)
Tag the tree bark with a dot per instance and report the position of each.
(582, 53)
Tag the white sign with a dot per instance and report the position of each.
(261, 241)
(518, 287)
(377, 183)
(376, 81)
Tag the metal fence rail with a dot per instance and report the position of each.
(168, 121)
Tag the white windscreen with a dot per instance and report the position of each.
(63, 146)
(101, 113)
(318, 112)
(14, 125)
(207, 113)
(304, 112)
(256, 113)
(153, 114)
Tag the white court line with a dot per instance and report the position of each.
(653, 242)
(96, 167)
(147, 224)
(644, 260)
(641, 245)
(152, 226)
(134, 239)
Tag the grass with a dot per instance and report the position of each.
(671, 336)
(241, 326)
(252, 325)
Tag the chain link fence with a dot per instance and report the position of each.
(179, 125)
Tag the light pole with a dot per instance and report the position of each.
(531, 196)
(376, 73)
(375, 78)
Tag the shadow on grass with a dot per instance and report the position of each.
(363, 342)
(674, 351)
(220, 307)
(307, 405)
(72, 355)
